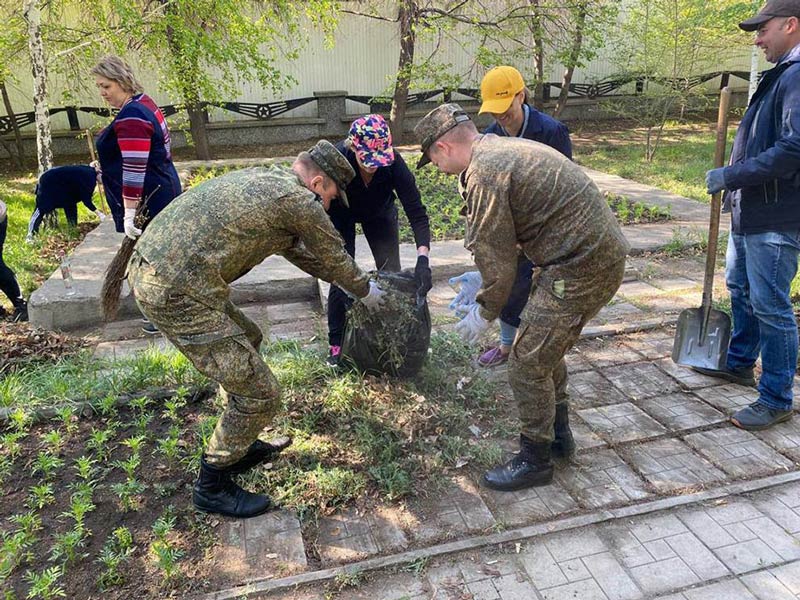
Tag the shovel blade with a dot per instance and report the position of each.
(693, 347)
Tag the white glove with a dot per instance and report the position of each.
(470, 283)
(130, 229)
(374, 298)
(100, 215)
(472, 326)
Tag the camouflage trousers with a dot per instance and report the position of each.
(223, 344)
(551, 323)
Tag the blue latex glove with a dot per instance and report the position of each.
(473, 325)
(467, 284)
(715, 180)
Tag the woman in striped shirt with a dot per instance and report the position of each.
(134, 150)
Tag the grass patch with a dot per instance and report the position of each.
(679, 166)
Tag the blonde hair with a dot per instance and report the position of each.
(114, 68)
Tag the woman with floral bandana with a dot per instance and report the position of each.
(382, 176)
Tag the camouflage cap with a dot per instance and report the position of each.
(435, 124)
(334, 164)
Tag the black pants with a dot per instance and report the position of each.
(71, 212)
(8, 282)
(519, 292)
(383, 236)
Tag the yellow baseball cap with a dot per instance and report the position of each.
(498, 88)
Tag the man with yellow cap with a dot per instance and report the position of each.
(520, 193)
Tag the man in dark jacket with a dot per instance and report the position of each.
(762, 184)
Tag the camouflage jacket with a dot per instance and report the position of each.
(522, 192)
(217, 231)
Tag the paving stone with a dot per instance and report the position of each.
(483, 589)
(632, 289)
(670, 465)
(485, 565)
(299, 330)
(751, 555)
(600, 478)
(789, 494)
(622, 422)
(618, 310)
(458, 510)
(587, 589)
(590, 389)
(728, 398)
(784, 437)
(289, 313)
(639, 381)
(772, 506)
(611, 577)
(723, 590)
(681, 411)
(529, 505)
(651, 344)
(513, 587)
(775, 537)
(707, 530)
(585, 438)
(688, 379)
(606, 352)
(789, 575)
(389, 586)
(251, 547)
(347, 536)
(576, 362)
(733, 511)
(674, 284)
(663, 576)
(765, 586)
(737, 452)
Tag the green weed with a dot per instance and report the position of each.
(45, 584)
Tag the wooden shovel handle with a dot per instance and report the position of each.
(716, 199)
(93, 157)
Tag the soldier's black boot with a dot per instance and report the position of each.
(563, 445)
(259, 452)
(530, 468)
(216, 492)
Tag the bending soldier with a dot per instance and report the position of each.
(521, 192)
(180, 273)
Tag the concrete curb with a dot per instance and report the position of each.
(512, 535)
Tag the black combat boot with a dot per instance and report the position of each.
(530, 468)
(563, 445)
(215, 492)
(259, 452)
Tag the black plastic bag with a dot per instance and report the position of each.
(395, 338)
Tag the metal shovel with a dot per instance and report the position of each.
(702, 337)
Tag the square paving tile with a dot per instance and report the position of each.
(585, 438)
(576, 362)
(651, 344)
(641, 380)
(618, 310)
(250, 547)
(675, 284)
(784, 437)
(681, 411)
(347, 535)
(661, 553)
(590, 389)
(605, 352)
(669, 465)
(600, 478)
(728, 398)
(688, 379)
(576, 564)
(622, 422)
(737, 452)
(457, 510)
(530, 505)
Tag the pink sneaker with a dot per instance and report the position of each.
(492, 357)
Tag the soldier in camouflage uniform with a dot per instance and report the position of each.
(521, 192)
(180, 273)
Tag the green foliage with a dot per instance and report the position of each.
(628, 212)
(116, 550)
(45, 584)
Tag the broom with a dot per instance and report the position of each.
(117, 270)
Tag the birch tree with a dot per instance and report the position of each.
(44, 152)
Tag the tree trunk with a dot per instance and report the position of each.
(197, 125)
(44, 140)
(537, 33)
(572, 60)
(20, 156)
(407, 17)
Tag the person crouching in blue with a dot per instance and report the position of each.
(64, 188)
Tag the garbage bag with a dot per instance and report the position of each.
(395, 338)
